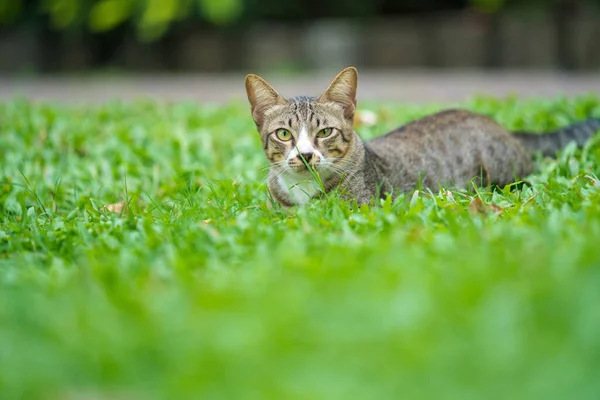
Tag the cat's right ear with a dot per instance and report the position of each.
(262, 96)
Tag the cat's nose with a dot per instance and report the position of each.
(306, 156)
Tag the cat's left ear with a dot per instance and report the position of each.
(342, 90)
(262, 96)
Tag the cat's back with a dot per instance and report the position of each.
(447, 122)
(446, 147)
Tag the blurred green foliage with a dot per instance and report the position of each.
(493, 6)
(152, 18)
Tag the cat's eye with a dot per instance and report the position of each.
(283, 134)
(323, 133)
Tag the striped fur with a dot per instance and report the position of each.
(453, 148)
(548, 144)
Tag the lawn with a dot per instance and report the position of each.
(138, 258)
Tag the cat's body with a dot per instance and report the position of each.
(449, 149)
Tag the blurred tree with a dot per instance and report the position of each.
(563, 12)
(9, 10)
(151, 17)
(105, 24)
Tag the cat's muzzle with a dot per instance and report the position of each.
(300, 165)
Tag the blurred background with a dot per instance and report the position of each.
(432, 49)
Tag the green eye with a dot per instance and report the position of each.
(325, 132)
(283, 134)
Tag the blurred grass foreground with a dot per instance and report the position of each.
(138, 260)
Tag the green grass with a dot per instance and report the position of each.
(195, 289)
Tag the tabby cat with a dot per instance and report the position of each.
(313, 149)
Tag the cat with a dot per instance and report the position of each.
(313, 149)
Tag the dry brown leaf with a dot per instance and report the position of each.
(495, 208)
(478, 207)
(594, 181)
(116, 207)
(449, 196)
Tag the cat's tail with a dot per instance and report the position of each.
(549, 143)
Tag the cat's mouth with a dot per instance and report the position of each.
(301, 170)
(300, 167)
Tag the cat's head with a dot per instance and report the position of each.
(315, 130)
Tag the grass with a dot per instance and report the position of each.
(138, 258)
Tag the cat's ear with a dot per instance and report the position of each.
(262, 96)
(342, 90)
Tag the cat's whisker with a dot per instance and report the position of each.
(347, 162)
(276, 171)
(277, 163)
(276, 166)
(342, 168)
(336, 168)
(338, 173)
(341, 173)
(276, 175)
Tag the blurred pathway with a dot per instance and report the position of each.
(418, 86)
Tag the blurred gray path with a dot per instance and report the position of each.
(417, 86)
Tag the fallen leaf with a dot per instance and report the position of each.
(478, 207)
(116, 207)
(449, 196)
(594, 181)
